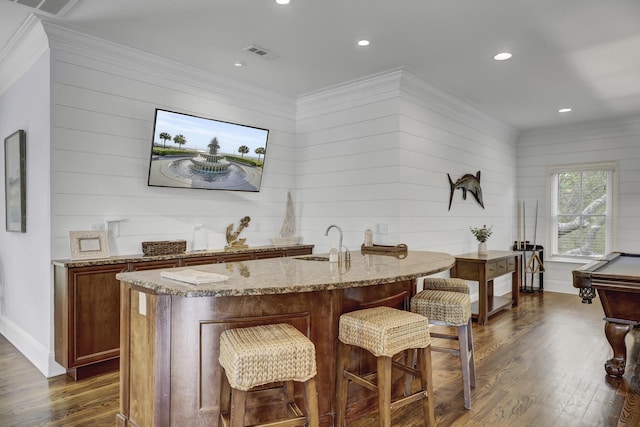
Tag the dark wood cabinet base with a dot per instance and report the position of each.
(94, 369)
(170, 375)
(87, 303)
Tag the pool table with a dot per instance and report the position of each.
(616, 277)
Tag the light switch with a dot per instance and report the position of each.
(142, 303)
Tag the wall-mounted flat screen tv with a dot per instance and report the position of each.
(197, 152)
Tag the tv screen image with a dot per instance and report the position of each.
(197, 152)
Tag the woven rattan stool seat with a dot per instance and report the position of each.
(265, 354)
(449, 307)
(445, 284)
(384, 331)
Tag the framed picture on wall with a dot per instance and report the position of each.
(88, 244)
(15, 184)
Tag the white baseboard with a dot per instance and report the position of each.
(36, 353)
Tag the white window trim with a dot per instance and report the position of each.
(612, 207)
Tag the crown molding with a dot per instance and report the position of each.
(68, 39)
(353, 93)
(24, 48)
(431, 96)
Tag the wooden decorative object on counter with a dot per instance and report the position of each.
(398, 251)
(233, 240)
(164, 247)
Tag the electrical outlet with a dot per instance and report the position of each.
(382, 228)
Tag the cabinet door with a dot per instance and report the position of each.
(94, 324)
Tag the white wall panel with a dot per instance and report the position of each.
(609, 140)
(26, 297)
(394, 171)
(102, 111)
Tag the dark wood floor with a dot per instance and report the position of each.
(540, 364)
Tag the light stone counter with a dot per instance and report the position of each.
(120, 259)
(295, 274)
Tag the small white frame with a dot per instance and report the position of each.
(88, 244)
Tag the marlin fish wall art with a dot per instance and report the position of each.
(466, 183)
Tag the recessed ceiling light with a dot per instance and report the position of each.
(239, 64)
(564, 110)
(363, 43)
(282, 1)
(503, 56)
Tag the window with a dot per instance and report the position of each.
(581, 201)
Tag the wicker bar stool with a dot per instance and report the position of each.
(267, 354)
(447, 302)
(384, 332)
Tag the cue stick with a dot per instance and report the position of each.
(531, 265)
(519, 246)
(524, 240)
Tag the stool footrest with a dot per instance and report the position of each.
(406, 369)
(301, 421)
(409, 399)
(363, 381)
(453, 351)
(443, 336)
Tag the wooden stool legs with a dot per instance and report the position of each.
(234, 402)
(426, 382)
(311, 402)
(383, 386)
(467, 359)
(341, 383)
(467, 362)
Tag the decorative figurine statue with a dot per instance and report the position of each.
(232, 237)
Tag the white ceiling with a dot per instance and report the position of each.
(583, 54)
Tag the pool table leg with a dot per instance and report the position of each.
(616, 333)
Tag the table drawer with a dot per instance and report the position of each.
(502, 267)
(497, 269)
(511, 264)
(492, 270)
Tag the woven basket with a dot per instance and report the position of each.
(164, 247)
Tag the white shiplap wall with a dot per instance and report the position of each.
(26, 300)
(103, 104)
(378, 150)
(608, 140)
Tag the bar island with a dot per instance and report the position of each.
(169, 371)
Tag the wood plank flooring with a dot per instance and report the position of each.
(540, 364)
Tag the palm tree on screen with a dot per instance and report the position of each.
(180, 140)
(243, 149)
(259, 151)
(164, 136)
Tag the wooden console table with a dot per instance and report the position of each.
(483, 269)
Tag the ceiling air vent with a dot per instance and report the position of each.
(261, 52)
(50, 7)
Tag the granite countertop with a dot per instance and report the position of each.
(190, 254)
(295, 274)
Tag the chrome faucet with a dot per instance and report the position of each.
(347, 254)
